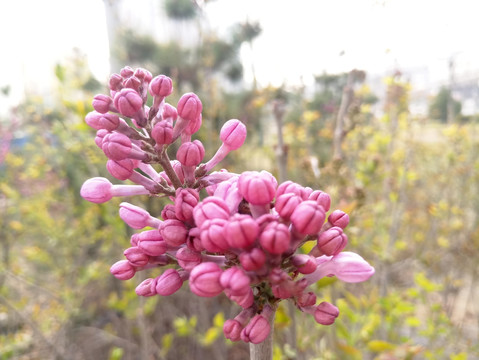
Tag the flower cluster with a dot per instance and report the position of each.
(237, 234)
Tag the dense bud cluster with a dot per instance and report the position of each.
(225, 233)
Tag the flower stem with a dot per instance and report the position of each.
(264, 350)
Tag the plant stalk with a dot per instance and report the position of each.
(264, 350)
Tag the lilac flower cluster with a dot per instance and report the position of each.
(240, 236)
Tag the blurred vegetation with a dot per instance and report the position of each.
(409, 184)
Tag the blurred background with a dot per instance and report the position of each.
(377, 102)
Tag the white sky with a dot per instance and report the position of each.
(299, 38)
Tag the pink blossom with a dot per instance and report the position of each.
(100, 190)
(212, 207)
(228, 191)
(123, 270)
(252, 260)
(162, 133)
(185, 202)
(151, 242)
(188, 258)
(290, 187)
(146, 288)
(232, 329)
(338, 218)
(128, 102)
(258, 188)
(305, 264)
(308, 217)
(322, 198)
(189, 107)
(168, 283)
(233, 134)
(241, 231)
(161, 85)
(275, 238)
(136, 256)
(99, 121)
(118, 146)
(212, 235)
(174, 232)
(136, 217)
(191, 153)
(235, 280)
(257, 330)
(103, 104)
(121, 169)
(332, 241)
(326, 313)
(286, 204)
(205, 279)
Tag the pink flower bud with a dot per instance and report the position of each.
(136, 256)
(241, 231)
(326, 313)
(168, 283)
(123, 270)
(306, 299)
(126, 72)
(350, 267)
(116, 82)
(133, 83)
(212, 207)
(151, 242)
(228, 191)
(146, 288)
(143, 74)
(103, 103)
(161, 85)
(332, 241)
(258, 188)
(305, 264)
(162, 133)
(185, 202)
(322, 198)
(275, 238)
(189, 107)
(188, 258)
(252, 260)
(233, 134)
(191, 153)
(212, 235)
(100, 134)
(96, 190)
(128, 102)
(174, 232)
(205, 280)
(286, 203)
(290, 187)
(338, 218)
(193, 126)
(136, 217)
(116, 146)
(245, 300)
(257, 330)
(232, 329)
(121, 169)
(168, 212)
(308, 217)
(235, 280)
(169, 112)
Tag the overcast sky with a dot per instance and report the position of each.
(300, 38)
